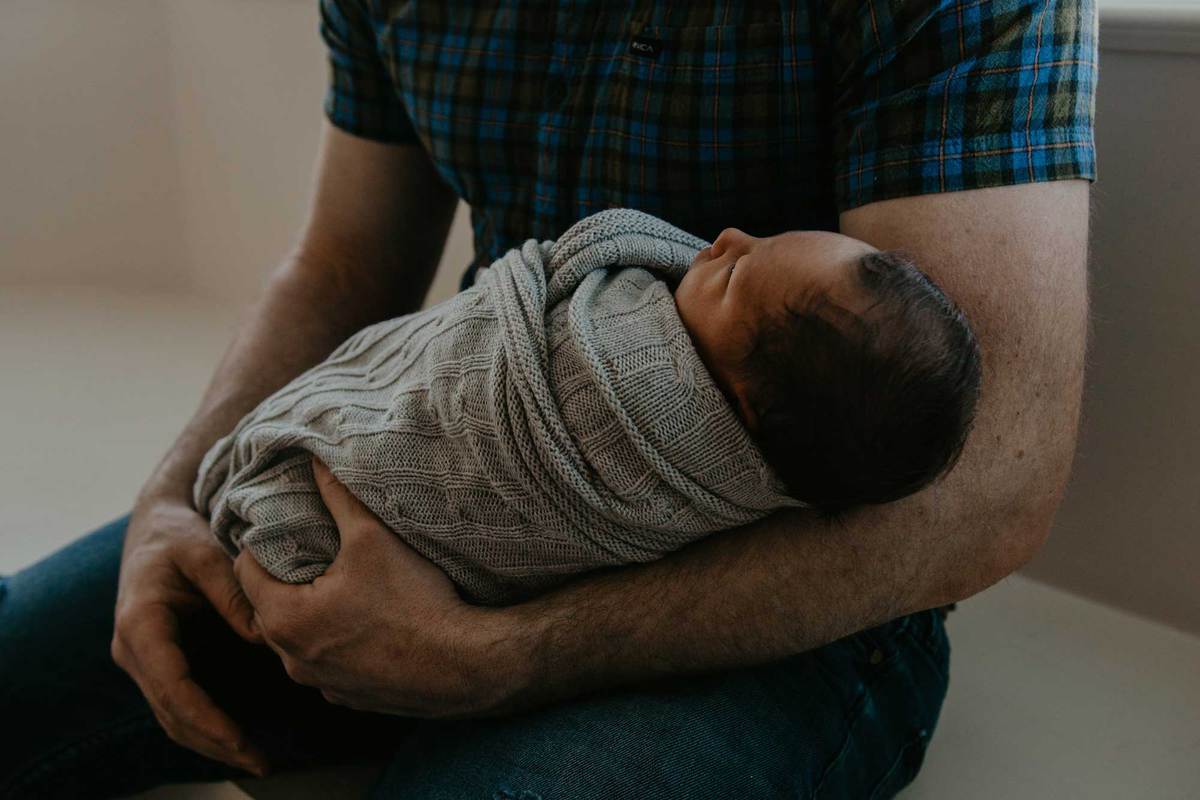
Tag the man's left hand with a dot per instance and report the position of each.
(383, 629)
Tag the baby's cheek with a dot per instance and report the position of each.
(684, 297)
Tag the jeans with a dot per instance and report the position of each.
(851, 719)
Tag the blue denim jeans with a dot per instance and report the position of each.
(848, 720)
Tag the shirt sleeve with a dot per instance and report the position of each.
(942, 96)
(361, 98)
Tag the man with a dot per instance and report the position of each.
(790, 657)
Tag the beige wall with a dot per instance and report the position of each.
(161, 143)
(246, 104)
(89, 178)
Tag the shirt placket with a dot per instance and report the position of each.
(554, 133)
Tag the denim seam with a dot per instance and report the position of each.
(855, 715)
(887, 774)
(71, 749)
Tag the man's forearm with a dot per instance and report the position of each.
(791, 582)
(755, 594)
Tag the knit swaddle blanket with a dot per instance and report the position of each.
(552, 419)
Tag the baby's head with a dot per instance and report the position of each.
(854, 373)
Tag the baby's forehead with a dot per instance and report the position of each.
(815, 268)
(807, 257)
(814, 254)
(818, 243)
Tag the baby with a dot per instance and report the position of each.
(570, 412)
(855, 374)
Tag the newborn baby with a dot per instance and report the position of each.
(570, 412)
(855, 374)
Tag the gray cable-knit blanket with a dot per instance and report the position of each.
(552, 419)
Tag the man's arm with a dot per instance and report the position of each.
(1014, 259)
(376, 227)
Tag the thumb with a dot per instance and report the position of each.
(370, 539)
(214, 577)
(352, 518)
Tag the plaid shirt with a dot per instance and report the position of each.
(713, 114)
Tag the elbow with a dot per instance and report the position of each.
(1020, 542)
(1005, 523)
(1010, 535)
(1030, 512)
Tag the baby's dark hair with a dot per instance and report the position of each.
(852, 410)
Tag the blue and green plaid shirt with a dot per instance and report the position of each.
(764, 116)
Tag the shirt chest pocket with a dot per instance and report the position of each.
(691, 120)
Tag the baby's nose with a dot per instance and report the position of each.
(728, 239)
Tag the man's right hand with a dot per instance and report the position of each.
(172, 566)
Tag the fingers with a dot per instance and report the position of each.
(264, 593)
(360, 529)
(353, 519)
(211, 571)
(338, 499)
(150, 653)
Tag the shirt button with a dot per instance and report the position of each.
(876, 656)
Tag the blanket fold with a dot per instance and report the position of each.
(552, 419)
